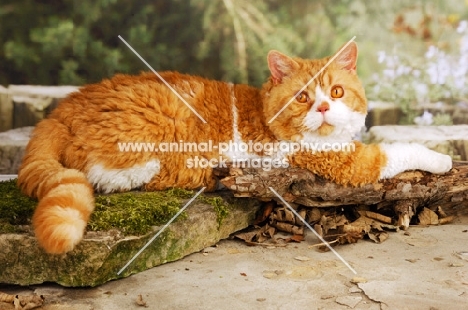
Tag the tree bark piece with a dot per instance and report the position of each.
(404, 193)
(345, 214)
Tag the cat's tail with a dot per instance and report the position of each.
(66, 198)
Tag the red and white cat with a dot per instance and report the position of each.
(75, 151)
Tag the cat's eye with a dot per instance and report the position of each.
(337, 91)
(302, 97)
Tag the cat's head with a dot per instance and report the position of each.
(331, 108)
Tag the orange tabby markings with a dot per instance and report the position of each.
(61, 217)
(78, 148)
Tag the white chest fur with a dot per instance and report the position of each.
(347, 122)
(114, 180)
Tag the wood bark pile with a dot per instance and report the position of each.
(349, 213)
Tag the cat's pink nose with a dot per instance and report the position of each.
(324, 107)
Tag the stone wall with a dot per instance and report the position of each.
(382, 113)
(388, 113)
(25, 105)
(12, 145)
(450, 140)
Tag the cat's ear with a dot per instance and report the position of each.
(280, 66)
(347, 59)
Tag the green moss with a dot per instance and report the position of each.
(15, 208)
(7, 228)
(133, 213)
(220, 207)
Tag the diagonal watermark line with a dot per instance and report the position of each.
(313, 230)
(311, 80)
(163, 80)
(160, 231)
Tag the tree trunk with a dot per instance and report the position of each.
(405, 193)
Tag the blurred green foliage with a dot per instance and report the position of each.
(75, 42)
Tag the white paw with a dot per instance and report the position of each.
(439, 163)
(411, 156)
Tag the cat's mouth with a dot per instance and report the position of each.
(325, 129)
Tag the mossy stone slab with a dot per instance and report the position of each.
(100, 256)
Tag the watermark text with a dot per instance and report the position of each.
(265, 148)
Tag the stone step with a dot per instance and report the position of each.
(12, 145)
(101, 255)
(450, 140)
(7, 177)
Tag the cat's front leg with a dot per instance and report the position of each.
(412, 156)
(370, 163)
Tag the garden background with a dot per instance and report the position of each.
(411, 52)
